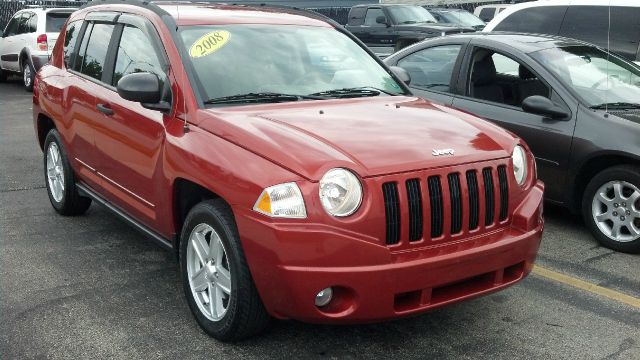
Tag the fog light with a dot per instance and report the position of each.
(324, 297)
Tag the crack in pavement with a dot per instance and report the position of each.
(22, 189)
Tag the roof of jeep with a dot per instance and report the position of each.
(201, 13)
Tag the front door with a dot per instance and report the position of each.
(129, 138)
(496, 85)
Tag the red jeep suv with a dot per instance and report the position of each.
(293, 172)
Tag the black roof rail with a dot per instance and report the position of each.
(153, 5)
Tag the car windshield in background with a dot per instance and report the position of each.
(243, 63)
(411, 15)
(56, 20)
(598, 79)
(463, 18)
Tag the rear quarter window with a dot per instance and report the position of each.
(70, 41)
(535, 20)
(55, 21)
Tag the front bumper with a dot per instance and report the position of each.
(400, 284)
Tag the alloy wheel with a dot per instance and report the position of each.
(26, 74)
(209, 272)
(616, 210)
(55, 172)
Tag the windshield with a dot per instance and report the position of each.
(463, 18)
(232, 60)
(595, 78)
(410, 15)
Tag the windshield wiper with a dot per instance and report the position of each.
(362, 91)
(262, 97)
(615, 105)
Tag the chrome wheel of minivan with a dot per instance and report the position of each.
(616, 210)
(55, 172)
(27, 76)
(209, 272)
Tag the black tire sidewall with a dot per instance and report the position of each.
(63, 205)
(618, 173)
(205, 213)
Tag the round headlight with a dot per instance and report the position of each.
(519, 158)
(340, 192)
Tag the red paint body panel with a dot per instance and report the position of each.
(134, 158)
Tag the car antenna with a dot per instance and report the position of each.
(185, 126)
(606, 93)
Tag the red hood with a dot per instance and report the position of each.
(372, 136)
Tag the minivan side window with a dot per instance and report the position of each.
(136, 54)
(486, 14)
(22, 23)
(70, 42)
(536, 20)
(32, 24)
(625, 27)
(12, 27)
(95, 54)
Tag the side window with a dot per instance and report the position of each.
(432, 68)
(594, 30)
(357, 16)
(498, 78)
(486, 14)
(625, 31)
(70, 41)
(136, 54)
(372, 14)
(95, 56)
(12, 27)
(22, 23)
(535, 20)
(32, 24)
(77, 63)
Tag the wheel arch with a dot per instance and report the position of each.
(591, 168)
(186, 195)
(25, 54)
(44, 124)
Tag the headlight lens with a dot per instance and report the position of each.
(282, 201)
(519, 158)
(340, 192)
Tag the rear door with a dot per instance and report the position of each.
(86, 70)
(129, 137)
(13, 42)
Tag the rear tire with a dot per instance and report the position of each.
(28, 75)
(60, 180)
(216, 279)
(611, 208)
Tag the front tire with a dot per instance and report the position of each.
(215, 276)
(611, 208)
(28, 75)
(59, 178)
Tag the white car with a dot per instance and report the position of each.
(586, 20)
(28, 40)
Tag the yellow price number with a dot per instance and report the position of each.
(209, 43)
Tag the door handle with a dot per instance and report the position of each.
(105, 109)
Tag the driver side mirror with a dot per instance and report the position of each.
(541, 105)
(381, 20)
(144, 88)
(401, 73)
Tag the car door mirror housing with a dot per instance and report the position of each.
(401, 74)
(541, 105)
(144, 88)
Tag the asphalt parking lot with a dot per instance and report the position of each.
(91, 286)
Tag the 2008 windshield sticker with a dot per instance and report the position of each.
(209, 43)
